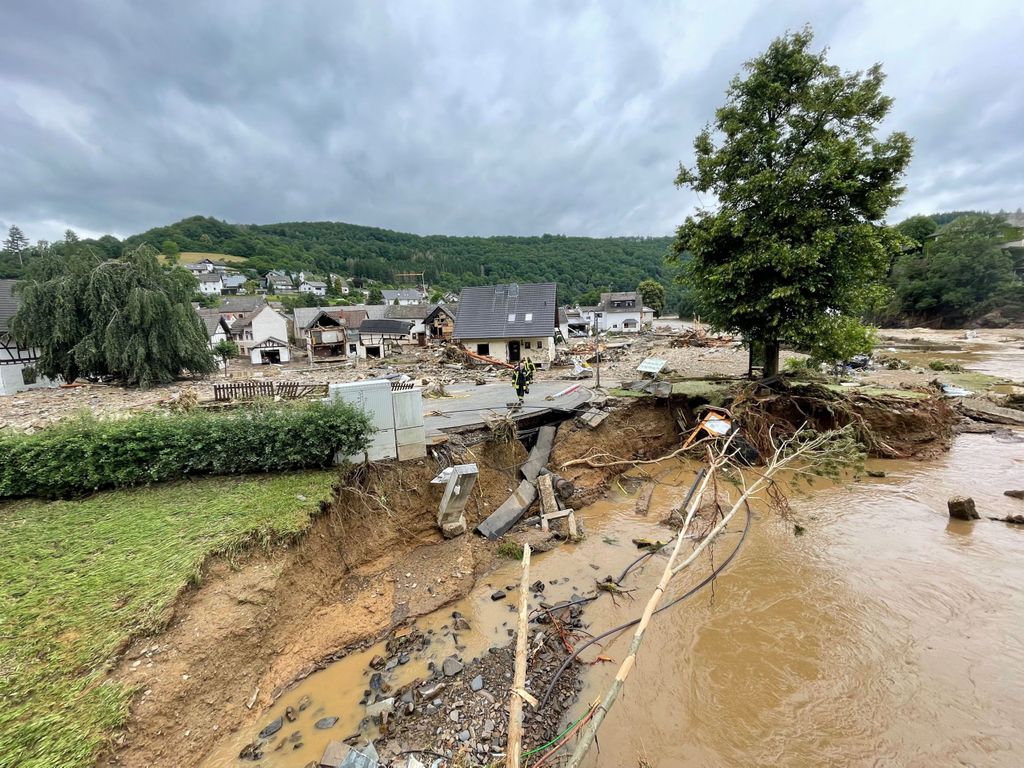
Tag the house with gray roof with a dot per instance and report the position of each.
(622, 312)
(508, 322)
(17, 363)
(404, 296)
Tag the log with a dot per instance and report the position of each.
(515, 707)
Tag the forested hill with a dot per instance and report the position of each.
(577, 264)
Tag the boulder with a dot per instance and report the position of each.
(1014, 494)
(962, 508)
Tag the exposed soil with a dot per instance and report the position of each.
(374, 559)
(633, 430)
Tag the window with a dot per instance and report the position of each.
(526, 344)
(483, 349)
(540, 344)
(529, 317)
(511, 317)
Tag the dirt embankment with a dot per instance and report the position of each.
(642, 429)
(257, 625)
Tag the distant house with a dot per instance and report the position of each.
(379, 338)
(235, 308)
(415, 314)
(233, 284)
(197, 269)
(404, 297)
(277, 283)
(621, 312)
(314, 326)
(314, 287)
(210, 283)
(340, 282)
(508, 322)
(217, 329)
(17, 364)
(440, 323)
(327, 337)
(263, 335)
(578, 321)
(352, 317)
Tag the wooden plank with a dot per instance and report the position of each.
(515, 707)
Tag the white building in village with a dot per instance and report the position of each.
(210, 283)
(17, 364)
(263, 335)
(622, 312)
(508, 322)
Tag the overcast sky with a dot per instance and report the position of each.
(456, 117)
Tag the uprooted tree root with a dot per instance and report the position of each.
(889, 426)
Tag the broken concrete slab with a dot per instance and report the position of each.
(450, 514)
(540, 453)
(508, 514)
(334, 754)
(593, 417)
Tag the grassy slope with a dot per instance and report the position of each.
(78, 578)
(194, 257)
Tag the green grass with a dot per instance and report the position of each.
(80, 578)
(617, 392)
(715, 392)
(872, 391)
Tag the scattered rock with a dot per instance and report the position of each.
(476, 683)
(499, 595)
(451, 666)
(1014, 494)
(460, 624)
(962, 508)
(1015, 519)
(252, 751)
(271, 728)
(324, 723)
(537, 586)
(304, 703)
(875, 473)
(290, 714)
(378, 662)
(381, 709)
(431, 690)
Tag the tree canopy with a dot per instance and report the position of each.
(961, 273)
(653, 294)
(802, 184)
(129, 318)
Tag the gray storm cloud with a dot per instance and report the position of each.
(457, 118)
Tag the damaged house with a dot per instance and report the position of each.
(17, 364)
(508, 322)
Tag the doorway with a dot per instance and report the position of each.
(513, 351)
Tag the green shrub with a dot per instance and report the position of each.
(85, 454)
(942, 365)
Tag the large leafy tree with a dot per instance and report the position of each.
(653, 294)
(129, 318)
(801, 184)
(16, 244)
(959, 273)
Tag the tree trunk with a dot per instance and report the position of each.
(771, 358)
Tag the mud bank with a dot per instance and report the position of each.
(372, 562)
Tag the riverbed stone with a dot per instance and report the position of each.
(381, 709)
(460, 624)
(476, 683)
(324, 723)
(962, 508)
(498, 595)
(304, 702)
(271, 728)
(451, 666)
(1014, 494)
(290, 714)
(378, 662)
(432, 689)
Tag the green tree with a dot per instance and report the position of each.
(127, 318)
(802, 184)
(958, 273)
(16, 243)
(225, 349)
(653, 294)
(375, 297)
(590, 298)
(918, 228)
(437, 296)
(70, 236)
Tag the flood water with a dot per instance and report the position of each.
(884, 635)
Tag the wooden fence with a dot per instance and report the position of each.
(250, 390)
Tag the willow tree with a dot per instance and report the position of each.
(129, 318)
(801, 185)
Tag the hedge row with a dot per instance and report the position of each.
(85, 454)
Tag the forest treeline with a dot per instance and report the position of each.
(579, 265)
(957, 267)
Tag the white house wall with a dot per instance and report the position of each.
(267, 324)
(613, 321)
(499, 348)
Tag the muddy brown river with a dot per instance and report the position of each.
(884, 635)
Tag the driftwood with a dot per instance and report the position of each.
(515, 707)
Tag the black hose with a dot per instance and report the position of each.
(689, 593)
